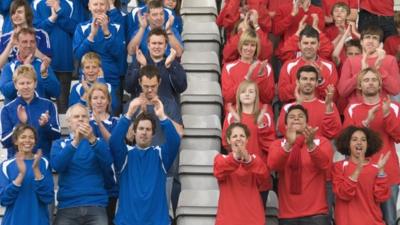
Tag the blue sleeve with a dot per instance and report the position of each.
(132, 25)
(132, 78)
(5, 6)
(8, 190)
(74, 96)
(6, 83)
(115, 45)
(65, 22)
(117, 143)
(177, 76)
(103, 155)
(43, 42)
(7, 128)
(172, 141)
(61, 156)
(178, 24)
(80, 44)
(116, 17)
(41, 15)
(4, 39)
(44, 188)
(51, 84)
(114, 99)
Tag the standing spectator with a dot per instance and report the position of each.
(172, 74)
(308, 43)
(47, 83)
(329, 5)
(5, 12)
(301, 160)
(81, 161)
(29, 108)
(382, 116)
(104, 37)
(175, 6)
(247, 67)
(373, 56)
(143, 168)
(59, 18)
(359, 184)
(240, 175)
(26, 182)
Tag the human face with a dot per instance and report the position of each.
(78, 115)
(370, 84)
(26, 141)
(309, 47)
(91, 71)
(248, 95)
(19, 18)
(25, 88)
(296, 119)
(157, 45)
(237, 139)
(352, 51)
(99, 101)
(26, 45)
(144, 133)
(358, 144)
(156, 17)
(339, 15)
(248, 51)
(307, 83)
(370, 43)
(149, 87)
(98, 7)
(171, 4)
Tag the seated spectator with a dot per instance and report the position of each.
(81, 162)
(322, 114)
(47, 83)
(392, 43)
(351, 48)
(5, 6)
(174, 6)
(373, 56)
(231, 52)
(234, 10)
(301, 159)
(329, 5)
(104, 37)
(26, 182)
(308, 44)
(21, 17)
(172, 74)
(59, 19)
(247, 67)
(92, 73)
(154, 19)
(29, 108)
(359, 185)
(240, 175)
(143, 168)
(381, 115)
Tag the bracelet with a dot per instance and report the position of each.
(107, 36)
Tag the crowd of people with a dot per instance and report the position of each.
(300, 81)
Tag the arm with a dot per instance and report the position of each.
(224, 165)
(344, 187)
(391, 77)
(348, 81)
(51, 130)
(266, 133)
(283, 20)
(8, 190)
(285, 86)
(265, 82)
(289, 49)
(392, 124)
(266, 45)
(136, 40)
(259, 169)
(177, 77)
(115, 44)
(118, 147)
(229, 14)
(230, 52)
(44, 188)
(103, 154)
(66, 22)
(132, 78)
(51, 84)
(278, 155)
(61, 155)
(81, 45)
(42, 17)
(171, 147)
(325, 46)
(331, 124)
(7, 127)
(330, 77)
(229, 86)
(175, 41)
(321, 154)
(5, 53)
(381, 189)
(6, 84)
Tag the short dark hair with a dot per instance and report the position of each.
(341, 5)
(149, 71)
(20, 129)
(26, 30)
(234, 125)
(28, 10)
(158, 32)
(145, 116)
(296, 106)
(309, 69)
(153, 4)
(310, 32)
(353, 42)
(372, 30)
(374, 141)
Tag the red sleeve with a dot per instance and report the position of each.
(343, 187)
(381, 189)
(266, 133)
(392, 123)
(289, 49)
(265, 83)
(282, 20)
(331, 124)
(224, 165)
(390, 46)
(277, 156)
(330, 77)
(281, 121)
(325, 46)
(349, 120)
(229, 15)
(285, 86)
(266, 46)
(230, 52)
(258, 168)
(229, 86)
(321, 154)
(390, 76)
(348, 82)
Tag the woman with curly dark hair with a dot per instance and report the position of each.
(359, 185)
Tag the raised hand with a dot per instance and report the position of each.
(19, 159)
(260, 118)
(330, 92)
(44, 118)
(251, 69)
(158, 108)
(302, 24)
(382, 161)
(364, 63)
(169, 23)
(262, 67)
(94, 28)
(28, 60)
(381, 55)
(299, 98)
(253, 17)
(21, 114)
(295, 9)
(44, 68)
(371, 115)
(315, 22)
(232, 111)
(140, 57)
(309, 135)
(103, 22)
(36, 159)
(386, 106)
(142, 19)
(171, 57)
(134, 105)
(290, 135)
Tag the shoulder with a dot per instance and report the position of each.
(229, 66)
(5, 165)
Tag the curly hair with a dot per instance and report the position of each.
(374, 141)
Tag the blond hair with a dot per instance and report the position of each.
(26, 71)
(98, 87)
(365, 71)
(242, 87)
(247, 37)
